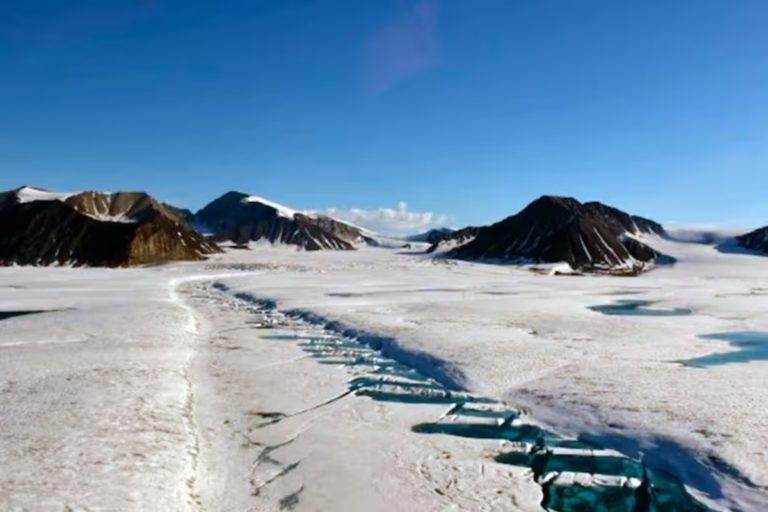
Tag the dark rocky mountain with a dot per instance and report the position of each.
(241, 218)
(454, 239)
(589, 237)
(93, 228)
(754, 241)
(181, 213)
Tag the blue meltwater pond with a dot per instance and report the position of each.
(748, 346)
(638, 308)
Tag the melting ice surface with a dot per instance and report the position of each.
(748, 345)
(637, 308)
(575, 476)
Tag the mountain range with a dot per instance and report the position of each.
(38, 227)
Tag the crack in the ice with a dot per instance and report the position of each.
(272, 418)
(322, 404)
(572, 474)
(290, 501)
(269, 418)
(265, 457)
(284, 471)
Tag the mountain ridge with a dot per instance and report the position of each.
(552, 229)
(38, 227)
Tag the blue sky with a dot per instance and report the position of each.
(459, 108)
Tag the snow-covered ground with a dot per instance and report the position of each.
(148, 389)
(94, 396)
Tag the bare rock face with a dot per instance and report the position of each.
(340, 229)
(241, 218)
(589, 237)
(622, 222)
(95, 229)
(117, 207)
(755, 241)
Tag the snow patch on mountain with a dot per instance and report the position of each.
(282, 211)
(31, 194)
(101, 209)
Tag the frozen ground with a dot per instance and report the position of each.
(148, 389)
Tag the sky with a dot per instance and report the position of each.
(403, 114)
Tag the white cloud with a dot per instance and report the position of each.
(702, 233)
(391, 221)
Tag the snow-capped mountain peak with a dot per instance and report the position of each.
(282, 211)
(28, 194)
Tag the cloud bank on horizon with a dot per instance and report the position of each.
(405, 47)
(398, 221)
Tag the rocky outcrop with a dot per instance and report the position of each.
(454, 239)
(93, 228)
(588, 237)
(754, 241)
